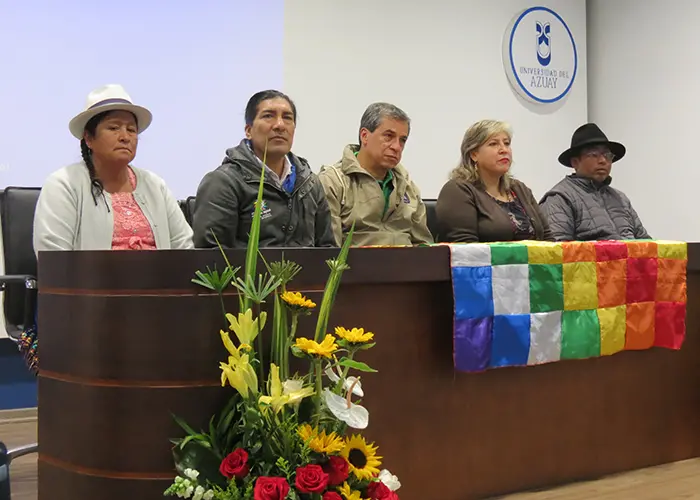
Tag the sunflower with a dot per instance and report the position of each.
(354, 336)
(321, 442)
(362, 457)
(297, 302)
(348, 493)
(324, 349)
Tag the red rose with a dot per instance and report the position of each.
(337, 470)
(311, 479)
(331, 495)
(380, 491)
(270, 488)
(235, 464)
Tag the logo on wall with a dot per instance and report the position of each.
(539, 55)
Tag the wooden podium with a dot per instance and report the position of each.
(127, 340)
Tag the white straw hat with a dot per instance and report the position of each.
(108, 98)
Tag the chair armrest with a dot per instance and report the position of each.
(28, 280)
(30, 293)
(15, 453)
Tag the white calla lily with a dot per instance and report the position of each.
(353, 415)
(353, 382)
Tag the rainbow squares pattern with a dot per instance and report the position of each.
(533, 302)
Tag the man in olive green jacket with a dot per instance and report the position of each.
(369, 187)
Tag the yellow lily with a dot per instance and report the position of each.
(240, 374)
(228, 344)
(234, 377)
(279, 395)
(245, 327)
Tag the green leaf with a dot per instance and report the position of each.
(202, 282)
(186, 440)
(184, 425)
(337, 266)
(364, 347)
(227, 414)
(255, 448)
(252, 416)
(212, 428)
(196, 456)
(225, 423)
(251, 257)
(357, 365)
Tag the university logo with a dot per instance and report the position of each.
(265, 211)
(544, 43)
(542, 72)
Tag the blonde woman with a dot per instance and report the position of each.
(482, 201)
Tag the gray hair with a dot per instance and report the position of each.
(474, 138)
(376, 112)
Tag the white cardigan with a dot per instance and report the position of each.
(67, 218)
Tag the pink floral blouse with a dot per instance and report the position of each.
(132, 231)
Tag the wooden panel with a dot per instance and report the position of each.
(119, 430)
(59, 484)
(171, 270)
(141, 338)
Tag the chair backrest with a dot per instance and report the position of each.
(183, 207)
(17, 215)
(431, 217)
(190, 208)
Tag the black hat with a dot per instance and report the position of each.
(589, 135)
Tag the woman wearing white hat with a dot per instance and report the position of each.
(103, 202)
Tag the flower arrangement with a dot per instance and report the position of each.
(283, 435)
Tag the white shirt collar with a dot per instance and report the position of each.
(286, 170)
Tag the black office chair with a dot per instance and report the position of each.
(19, 281)
(431, 217)
(17, 207)
(183, 207)
(189, 215)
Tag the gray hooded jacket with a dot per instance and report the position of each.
(580, 209)
(226, 199)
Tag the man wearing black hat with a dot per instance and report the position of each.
(583, 206)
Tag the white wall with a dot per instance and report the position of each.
(440, 61)
(644, 76)
(193, 66)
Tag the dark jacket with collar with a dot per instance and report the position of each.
(467, 213)
(226, 199)
(580, 209)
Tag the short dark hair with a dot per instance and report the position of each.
(251, 109)
(376, 112)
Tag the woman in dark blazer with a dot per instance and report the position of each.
(482, 202)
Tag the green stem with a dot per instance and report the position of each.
(288, 343)
(319, 389)
(223, 310)
(326, 305)
(275, 355)
(261, 355)
(346, 370)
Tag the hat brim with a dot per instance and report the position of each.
(77, 124)
(615, 148)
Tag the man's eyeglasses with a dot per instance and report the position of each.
(599, 154)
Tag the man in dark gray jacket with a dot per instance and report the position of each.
(583, 206)
(294, 213)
